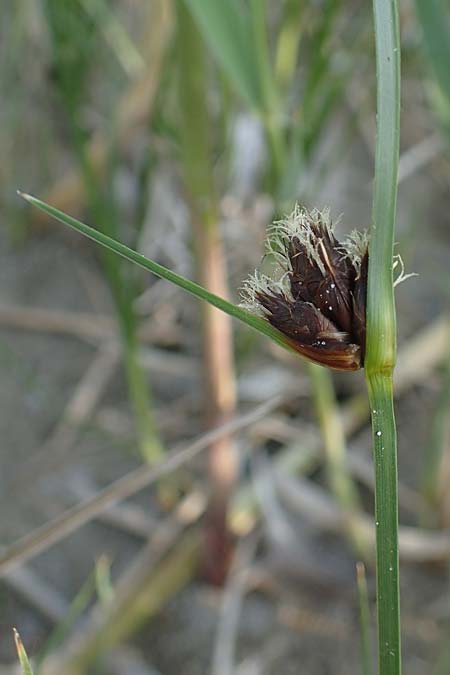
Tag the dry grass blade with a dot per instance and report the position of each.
(47, 535)
(93, 328)
(129, 518)
(38, 593)
(233, 594)
(83, 325)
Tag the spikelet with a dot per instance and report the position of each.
(316, 294)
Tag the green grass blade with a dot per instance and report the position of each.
(380, 296)
(288, 42)
(262, 53)
(270, 97)
(434, 20)
(191, 287)
(63, 629)
(381, 334)
(236, 34)
(338, 476)
(115, 35)
(227, 29)
(195, 124)
(21, 653)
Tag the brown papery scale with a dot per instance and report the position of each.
(317, 294)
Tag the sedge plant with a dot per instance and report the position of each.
(380, 316)
(326, 344)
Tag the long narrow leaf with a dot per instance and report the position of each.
(191, 287)
(226, 28)
(21, 653)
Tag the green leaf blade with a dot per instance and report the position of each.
(21, 653)
(226, 27)
(243, 315)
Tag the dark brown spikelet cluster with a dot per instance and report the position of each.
(317, 299)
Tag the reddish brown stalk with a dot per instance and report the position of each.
(197, 135)
(220, 397)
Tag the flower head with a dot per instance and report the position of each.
(317, 295)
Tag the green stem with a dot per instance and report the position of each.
(381, 333)
(196, 154)
(386, 523)
(150, 446)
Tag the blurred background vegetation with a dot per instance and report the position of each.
(184, 129)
